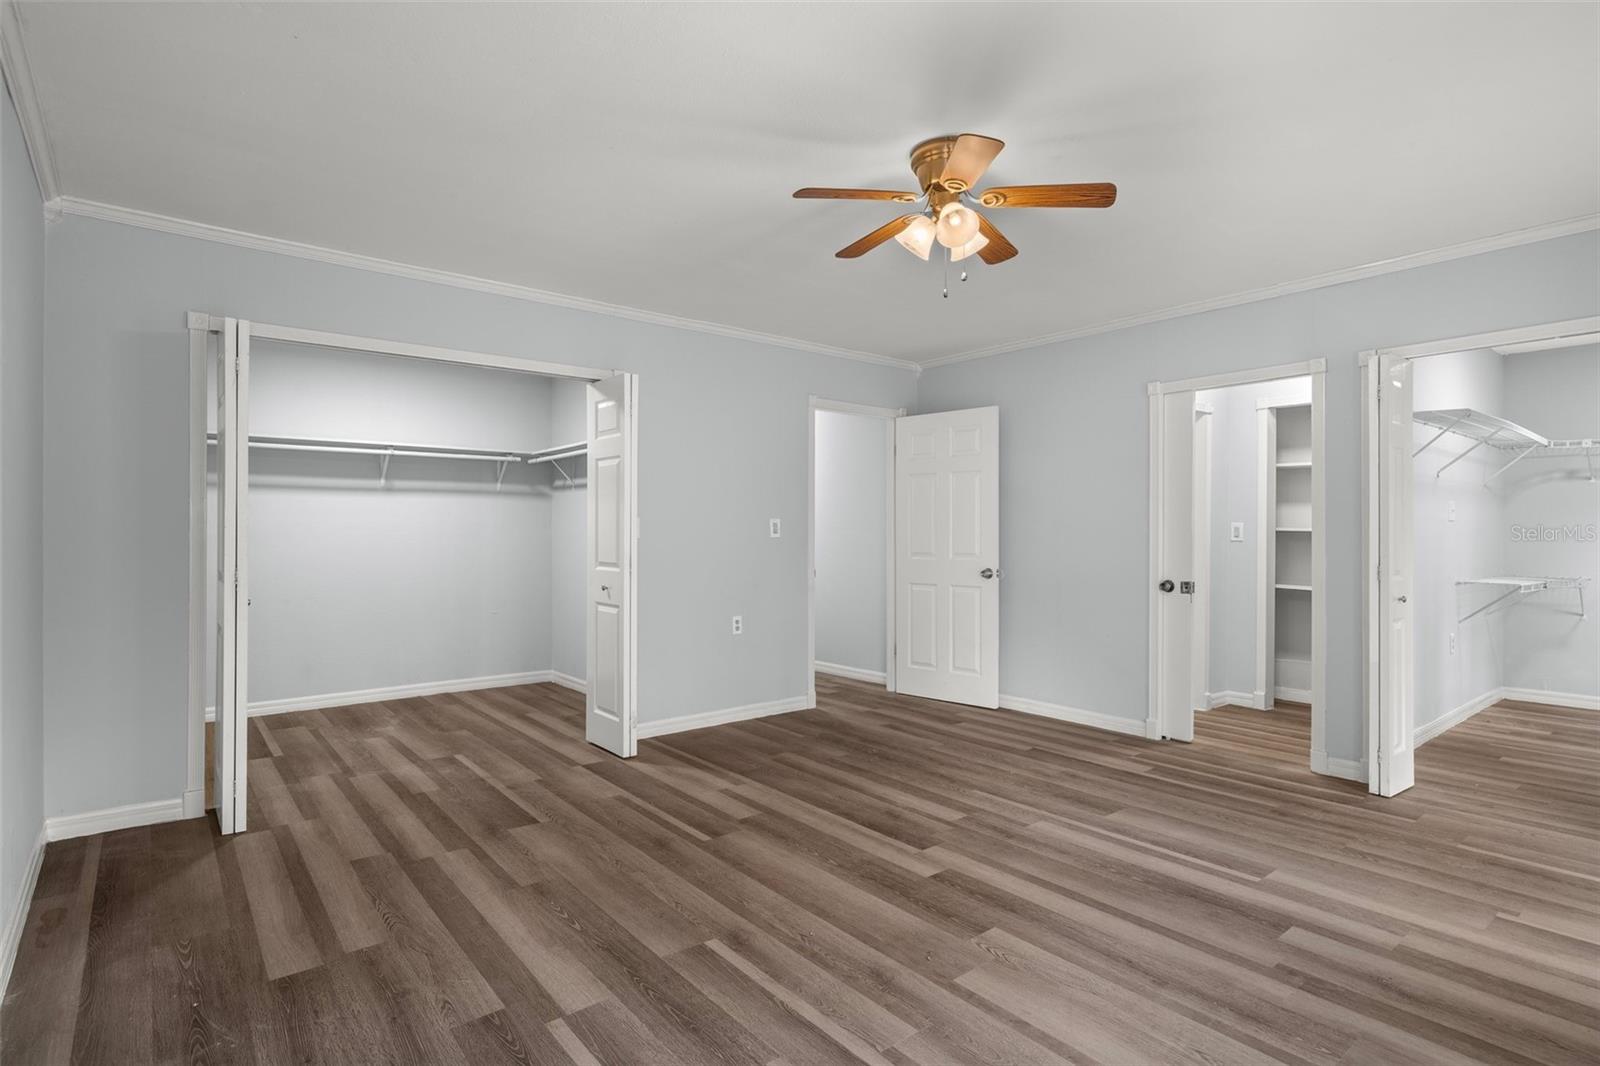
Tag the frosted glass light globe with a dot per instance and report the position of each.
(958, 224)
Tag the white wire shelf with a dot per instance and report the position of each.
(1517, 589)
(1486, 430)
(386, 450)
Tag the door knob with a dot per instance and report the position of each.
(1400, 599)
(990, 572)
(1166, 585)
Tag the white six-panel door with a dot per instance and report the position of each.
(609, 717)
(1391, 748)
(947, 556)
(230, 747)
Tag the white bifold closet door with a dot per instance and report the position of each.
(1391, 736)
(610, 710)
(230, 743)
(947, 556)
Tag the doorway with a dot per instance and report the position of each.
(1454, 457)
(1237, 614)
(463, 498)
(851, 540)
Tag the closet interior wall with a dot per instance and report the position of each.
(435, 572)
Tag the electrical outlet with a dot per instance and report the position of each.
(738, 625)
(774, 527)
(1450, 515)
(1452, 643)
(1236, 531)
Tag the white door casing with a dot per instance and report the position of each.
(1200, 651)
(1177, 565)
(1392, 751)
(947, 536)
(231, 742)
(610, 711)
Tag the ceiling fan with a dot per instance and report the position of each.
(947, 168)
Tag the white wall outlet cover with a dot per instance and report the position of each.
(774, 527)
(1236, 531)
(738, 624)
(1450, 515)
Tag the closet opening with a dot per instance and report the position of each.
(403, 541)
(851, 542)
(1490, 505)
(1237, 610)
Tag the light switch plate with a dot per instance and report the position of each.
(1236, 531)
(774, 527)
(738, 624)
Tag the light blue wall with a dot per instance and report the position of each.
(852, 540)
(723, 442)
(22, 266)
(1075, 456)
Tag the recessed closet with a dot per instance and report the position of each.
(416, 527)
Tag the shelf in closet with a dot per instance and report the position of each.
(386, 450)
(1296, 464)
(1293, 588)
(1523, 587)
(1294, 529)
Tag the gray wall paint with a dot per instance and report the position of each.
(1075, 456)
(1234, 488)
(1548, 646)
(1471, 544)
(852, 540)
(22, 267)
(723, 440)
(435, 575)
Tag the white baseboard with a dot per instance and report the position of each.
(577, 684)
(401, 692)
(17, 920)
(854, 673)
(1424, 733)
(685, 722)
(1292, 695)
(194, 801)
(1349, 769)
(67, 826)
(1094, 719)
(1237, 699)
(1553, 699)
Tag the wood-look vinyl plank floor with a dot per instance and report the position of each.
(461, 879)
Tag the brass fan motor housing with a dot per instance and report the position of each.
(927, 162)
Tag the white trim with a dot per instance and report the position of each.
(854, 673)
(889, 414)
(1497, 338)
(1292, 695)
(1227, 698)
(400, 692)
(109, 820)
(576, 684)
(685, 722)
(1349, 769)
(200, 577)
(19, 80)
(1449, 720)
(1512, 239)
(1152, 721)
(128, 216)
(1223, 380)
(17, 921)
(1111, 723)
(1552, 699)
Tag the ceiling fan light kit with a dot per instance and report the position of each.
(947, 169)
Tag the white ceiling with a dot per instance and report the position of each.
(644, 155)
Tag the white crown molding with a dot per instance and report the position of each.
(19, 80)
(1532, 235)
(128, 216)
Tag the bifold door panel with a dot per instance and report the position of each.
(609, 720)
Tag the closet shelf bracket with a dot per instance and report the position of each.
(1520, 588)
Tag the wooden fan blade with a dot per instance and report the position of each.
(875, 238)
(998, 250)
(1091, 194)
(856, 194)
(969, 158)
